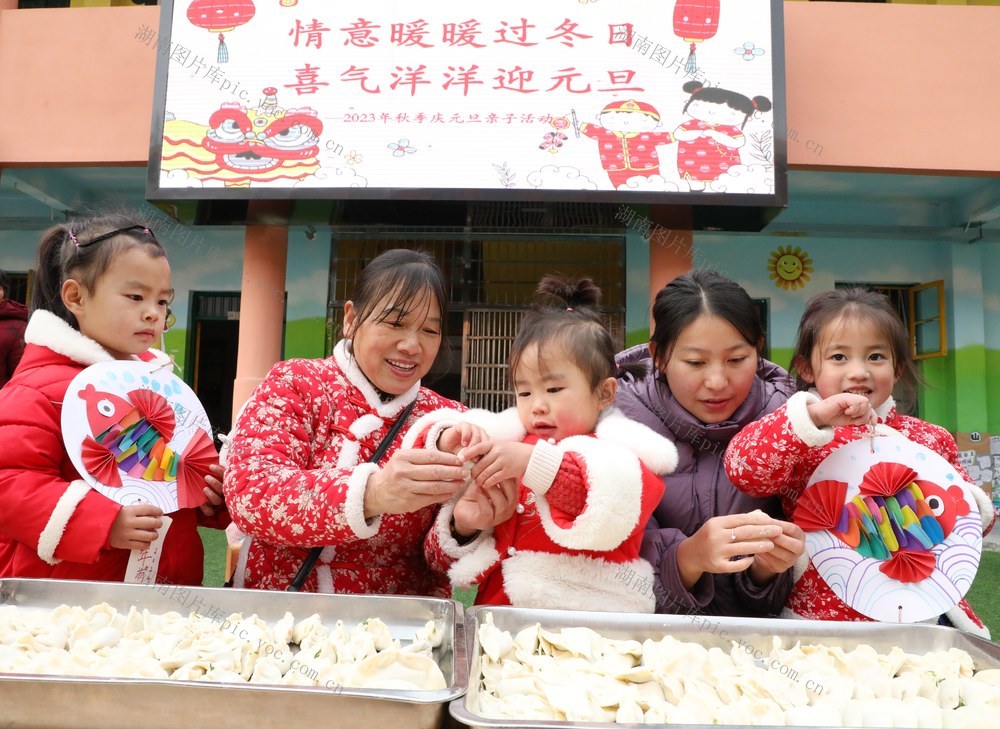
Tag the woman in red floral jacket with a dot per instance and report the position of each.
(852, 348)
(298, 475)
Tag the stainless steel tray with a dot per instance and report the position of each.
(709, 631)
(35, 701)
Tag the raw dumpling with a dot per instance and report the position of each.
(431, 632)
(395, 669)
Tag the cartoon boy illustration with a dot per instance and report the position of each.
(627, 140)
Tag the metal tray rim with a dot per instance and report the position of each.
(788, 627)
(8, 589)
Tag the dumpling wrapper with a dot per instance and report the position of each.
(582, 642)
(305, 627)
(379, 631)
(266, 670)
(283, 629)
(990, 676)
(395, 669)
(629, 713)
(431, 632)
(495, 643)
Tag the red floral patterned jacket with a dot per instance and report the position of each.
(297, 475)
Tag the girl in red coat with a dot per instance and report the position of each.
(852, 350)
(588, 476)
(101, 294)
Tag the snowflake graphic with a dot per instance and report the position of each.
(749, 51)
(402, 147)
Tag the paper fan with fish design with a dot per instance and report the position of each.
(137, 434)
(903, 543)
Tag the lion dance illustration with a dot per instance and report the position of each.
(241, 146)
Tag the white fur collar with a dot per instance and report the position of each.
(349, 366)
(656, 452)
(45, 329)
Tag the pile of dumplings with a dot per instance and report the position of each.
(101, 641)
(575, 674)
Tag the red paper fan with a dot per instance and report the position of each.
(100, 463)
(820, 506)
(155, 409)
(907, 566)
(886, 479)
(199, 454)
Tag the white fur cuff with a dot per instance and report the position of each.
(542, 467)
(51, 535)
(964, 623)
(802, 425)
(448, 544)
(614, 497)
(354, 502)
(471, 559)
(432, 424)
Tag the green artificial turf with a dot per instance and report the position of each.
(984, 595)
(215, 556)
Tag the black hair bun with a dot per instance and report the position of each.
(570, 292)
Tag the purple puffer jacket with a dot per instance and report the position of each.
(699, 489)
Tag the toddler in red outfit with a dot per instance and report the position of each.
(588, 476)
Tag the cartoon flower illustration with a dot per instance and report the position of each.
(402, 147)
(354, 157)
(789, 268)
(749, 51)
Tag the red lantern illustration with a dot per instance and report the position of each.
(695, 21)
(221, 16)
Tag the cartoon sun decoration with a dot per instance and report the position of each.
(789, 268)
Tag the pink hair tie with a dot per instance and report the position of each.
(72, 237)
(569, 308)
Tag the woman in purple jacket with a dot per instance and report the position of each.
(715, 550)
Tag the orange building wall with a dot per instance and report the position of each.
(896, 87)
(76, 85)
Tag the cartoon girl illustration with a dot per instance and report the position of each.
(627, 140)
(709, 143)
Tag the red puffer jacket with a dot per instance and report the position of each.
(52, 524)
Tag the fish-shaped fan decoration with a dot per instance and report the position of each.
(138, 433)
(895, 518)
(891, 528)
